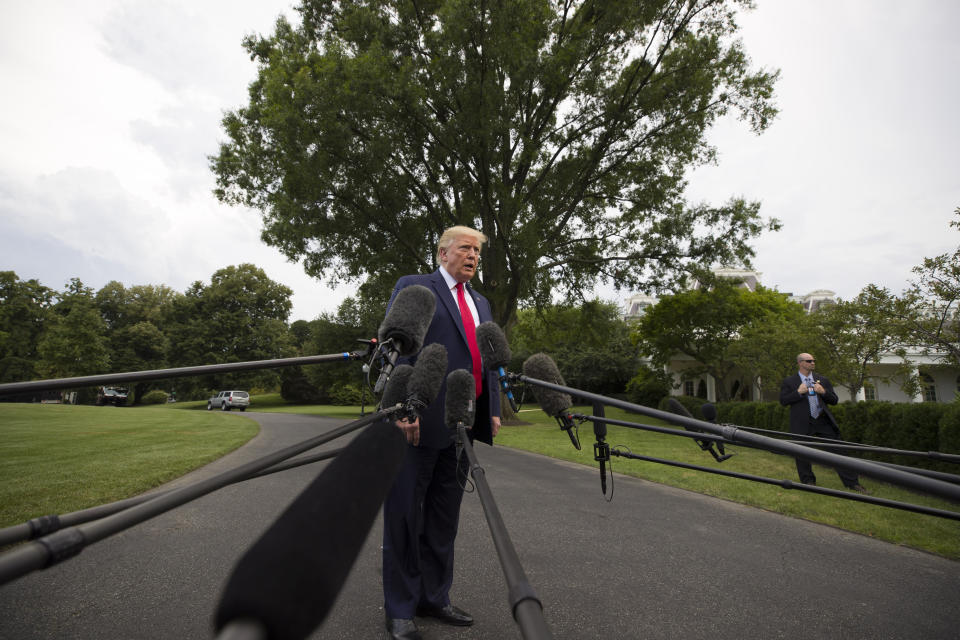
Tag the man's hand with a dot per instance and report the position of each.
(802, 389)
(411, 430)
(819, 388)
(495, 425)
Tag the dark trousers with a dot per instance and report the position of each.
(420, 519)
(821, 428)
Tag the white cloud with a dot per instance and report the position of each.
(112, 109)
(860, 164)
(112, 106)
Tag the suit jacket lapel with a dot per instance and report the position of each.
(443, 293)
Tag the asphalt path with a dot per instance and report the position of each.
(656, 562)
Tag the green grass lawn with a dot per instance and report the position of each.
(61, 458)
(57, 459)
(930, 533)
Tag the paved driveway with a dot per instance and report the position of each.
(657, 562)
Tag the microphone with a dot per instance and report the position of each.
(705, 445)
(495, 353)
(402, 331)
(556, 404)
(426, 379)
(460, 406)
(709, 412)
(601, 450)
(396, 390)
(289, 579)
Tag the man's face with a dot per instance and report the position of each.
(461, 258)
(806, 363)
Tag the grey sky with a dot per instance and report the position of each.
(110, 109)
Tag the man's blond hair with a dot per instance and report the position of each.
(453, 233)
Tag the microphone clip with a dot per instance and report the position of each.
(567, 424)
(389, 354)
(601, 451)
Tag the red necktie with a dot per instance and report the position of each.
(471, 330)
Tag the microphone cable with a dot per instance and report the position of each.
(463, 474)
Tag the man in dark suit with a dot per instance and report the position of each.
(808, 395)
(422, 511)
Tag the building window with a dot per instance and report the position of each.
(929, 388)
(702, 389)
(869, 391)
(688, 388)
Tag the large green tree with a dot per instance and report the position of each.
(123, 307)
(706, 323)
(563, 129)
(767, 348)
(24, 309)
(855, 334)
(356, 318)
(73, 342)
(138, 319)
(240, 316)
(929, 310)
(590, 343)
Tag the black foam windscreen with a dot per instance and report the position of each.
(396, 390)
(427, 377)
(408, 319)
(709, 412)
(675, 407)
(494, 349)
(542, 367)
(289, 579)
(460, 405)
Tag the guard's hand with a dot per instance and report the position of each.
(495, 425)
(802, 389)
(411, 430)
(819, 388)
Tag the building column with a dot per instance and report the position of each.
(918, 397)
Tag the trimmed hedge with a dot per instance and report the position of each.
(949, 430)
(154, 397)
(925, 426)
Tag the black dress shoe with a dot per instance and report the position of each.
(448, 615)
(403, 629)
(859, 488)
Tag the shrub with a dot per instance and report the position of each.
(949, 429)
(723, 411)
(743, 414)
(345, 394)
(648, 387)
(911, 426)
(915, 426)
(877, 428)
(156, 396)
(772, 416)
(852, 419)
